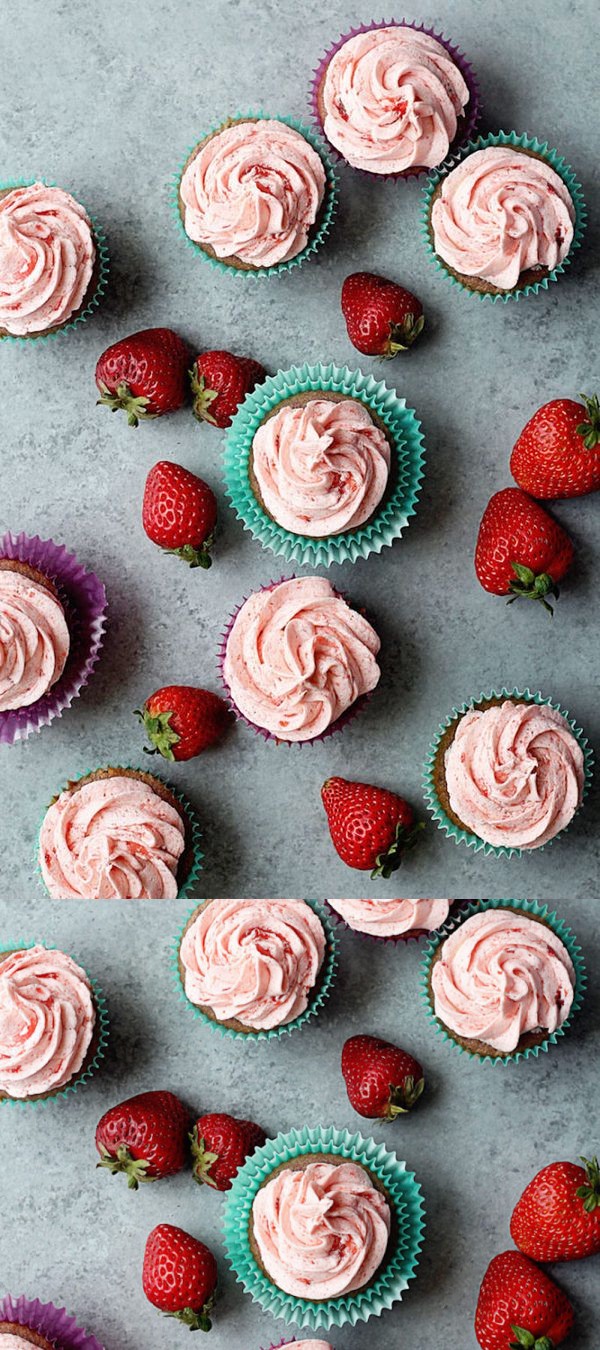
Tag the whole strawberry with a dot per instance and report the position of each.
(220, 382)
(181, 721)
(558, 452)
(382, 318)
(220, 1146)
(370, 827)
(144, 374)
(521, 550)
(558, 1215)
(145, 1137)
(179, 1276)
(179, 513)
(381, 1080)
(520, 1306)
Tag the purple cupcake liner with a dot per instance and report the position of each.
(471, 115)
(84, 599)
(416, 935)
(348, 716)
(55, 1324)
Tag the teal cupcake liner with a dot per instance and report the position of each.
(567, 937)
(395, 509)
(103, 271)
(102, 1021)
(326, 215)
(195, 834)
(327, 977)
(461, 836)
(388, 1285)
(559, 165)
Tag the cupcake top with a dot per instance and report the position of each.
(253, 962)
(501, 212)
(321, 466)
(47, 256)
(514, 773)
(321, 1232)
(392, 918)
(47, 1019)
(500, 975)
(111, 838)
(298, 1345)
(297, 657)
(34, 639)
(391, 99)
(252, 192)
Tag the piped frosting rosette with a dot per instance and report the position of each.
(395, 920)
(55, 1324)
(34, 640)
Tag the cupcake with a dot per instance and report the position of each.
(297, 658)
(34, 635)
(26, 1322)
(118, 834)
(393, 918)
(394, 99)
(52, 262)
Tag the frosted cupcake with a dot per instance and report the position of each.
(50, 1027)
(34, 635)
(297, 658)
(392, 918)
(50, 262)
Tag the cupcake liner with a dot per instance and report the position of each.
(472, 112)
(395, 509)
(387, 1286)
(327, 977)
(416, 934)
(326, 214)
(559, 165)
(102, 1022)
(84, 598)
(465, 836)
(103, 270)
(56, 1324)
(195, 833)
(566, 936)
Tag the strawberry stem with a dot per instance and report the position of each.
(404, 1096)
(196, 1320)
(203, 1160)
(123, 398)
(404, 839)
(195, 557)
(527, 1341)
(134, 1168)
(159, 732)
(402, 335)
(590, 1192)
(203, 397)
(528, 586)
(590, 429)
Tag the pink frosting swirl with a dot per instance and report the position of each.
(47, 1018)
(502, 974)
(111, 839)
(298, 656)
(515, 773)
(321, 1232)
(253, 191)
(393, 918)
(297, 1345)
(47, 255)
(253, 961)
(501, 212)
(321, 467)
(392, 98)
(12, 1341)
(34, 640)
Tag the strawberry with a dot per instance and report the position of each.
(558, 1215)
(180, 513)
(370, 827)
(220, 382)
(381, 1080)
(521, 550)
(558, 452)
(382, 318)
(180, 1276)
(181, 721)
(220, 1146)
(144, 374)
(145, 1137)
(520, 1306)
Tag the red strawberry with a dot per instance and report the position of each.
(144, 374)
(521, 550)
(369, 826)
(558, 452)
(220, 382)
(220, 1146)
(181, 721)
(180, 512)
(382, 1081)
(145, 1137)
(382, 318)
(520, 1306)
(558, 1215)
(180, 1276)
